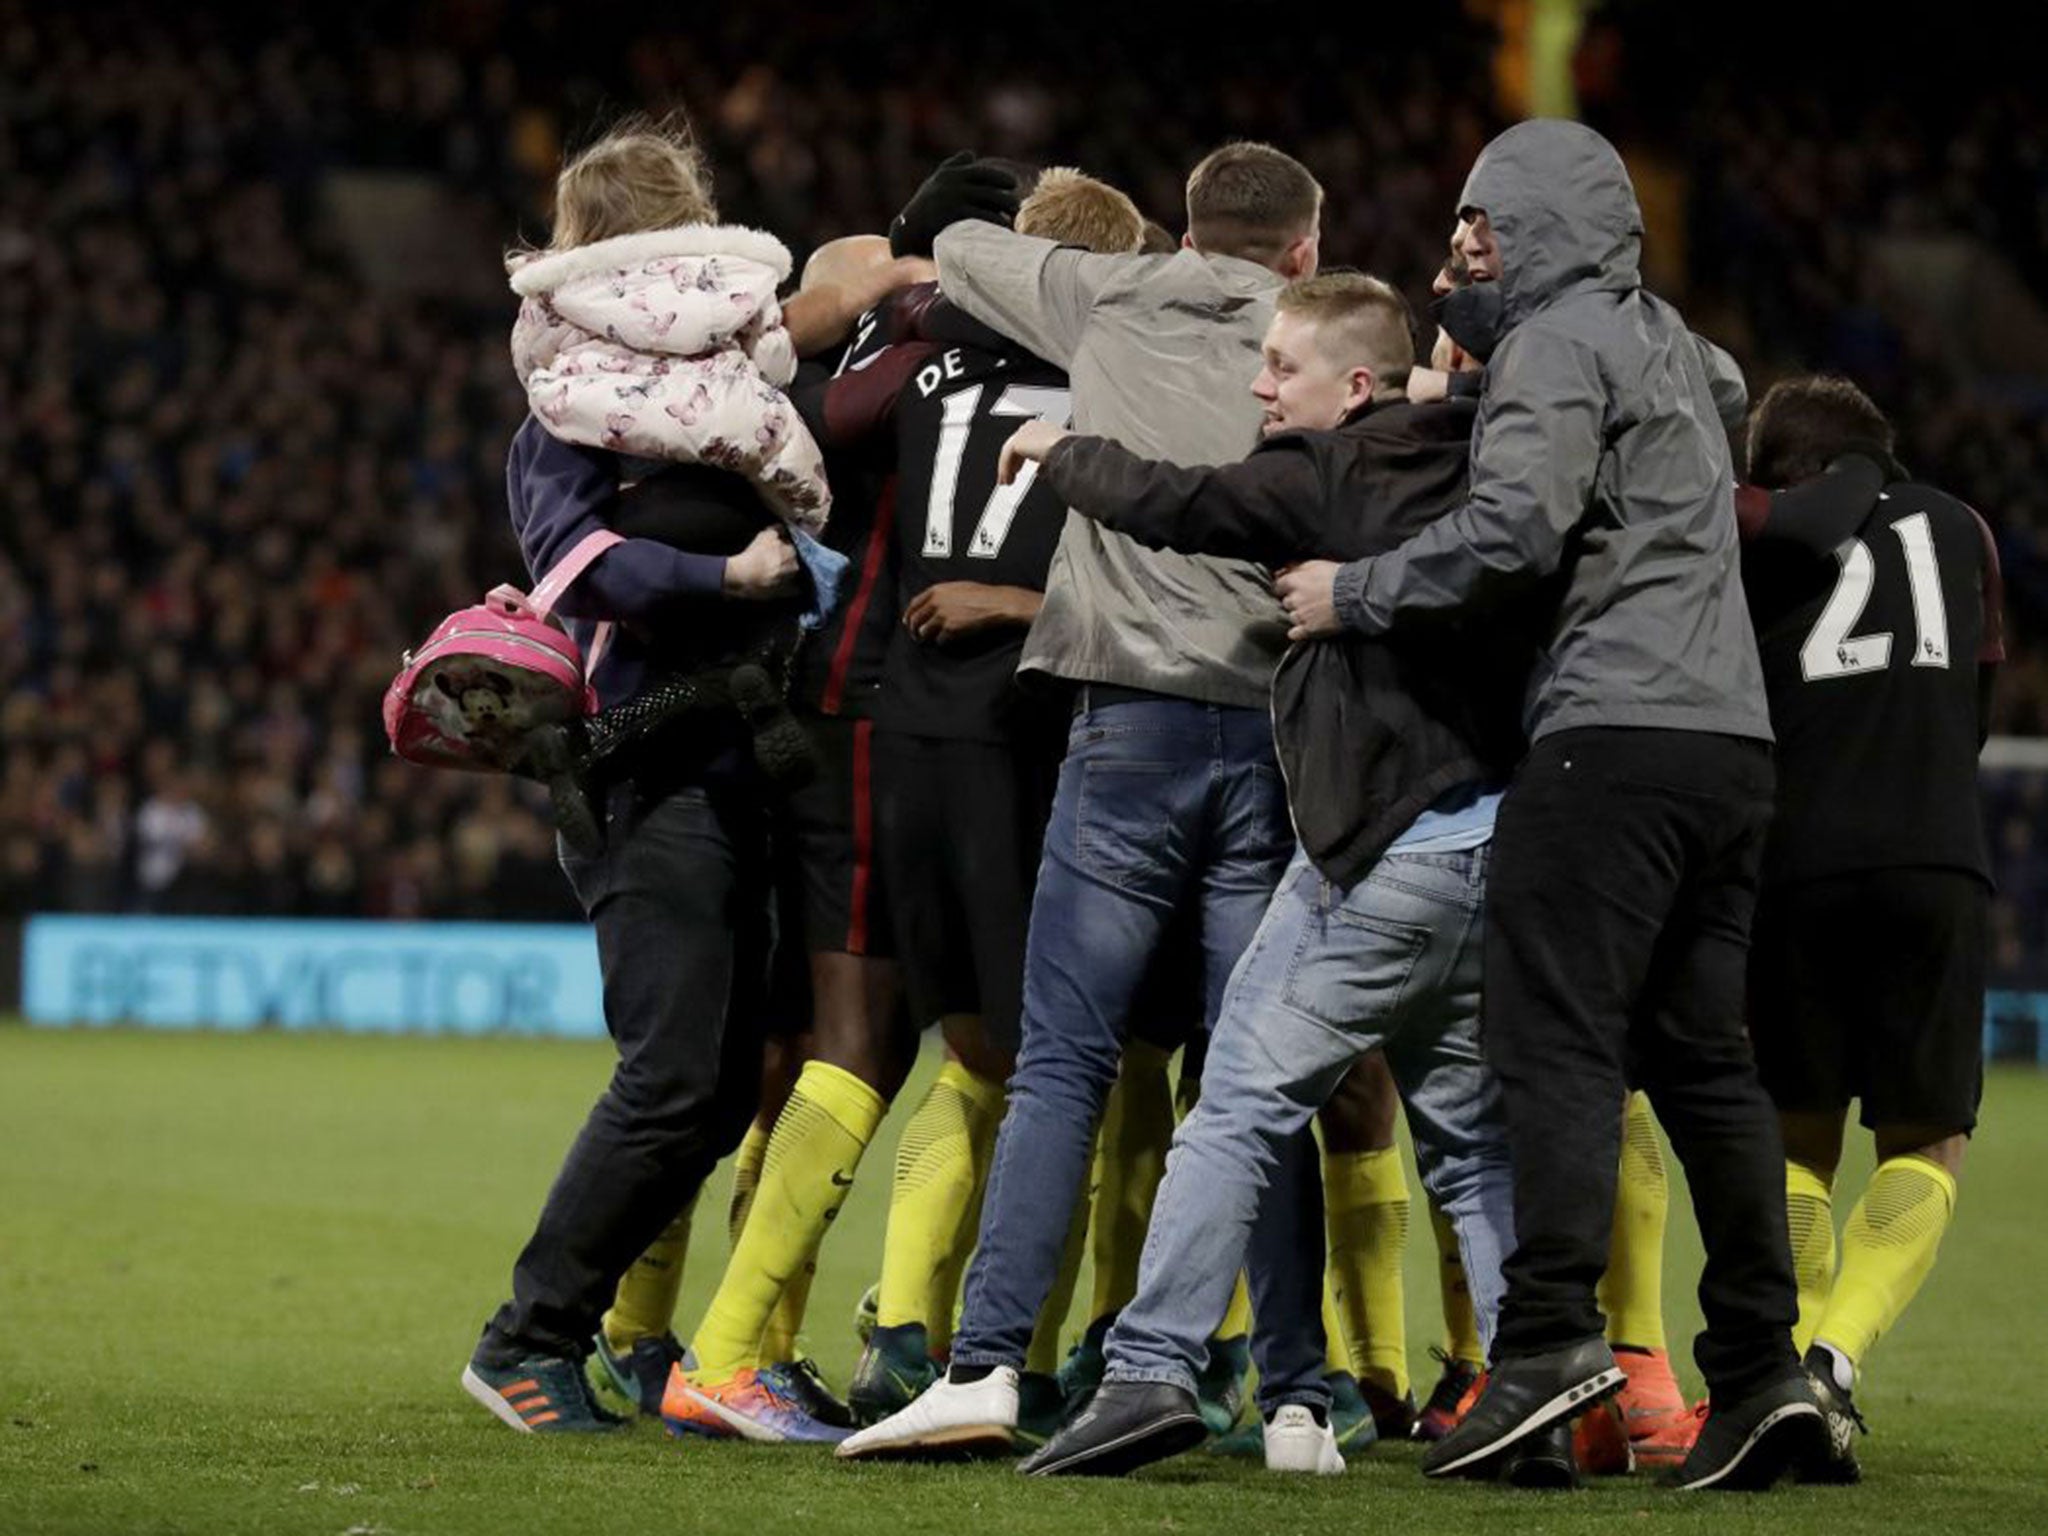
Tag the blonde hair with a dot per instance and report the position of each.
(1075, 209)
(645, 173)
(1359, 320)
(1251, 201)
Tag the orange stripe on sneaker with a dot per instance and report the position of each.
(531, 1404)
(545, 1418)
(519, 1387)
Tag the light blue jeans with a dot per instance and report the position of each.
(1393, 962)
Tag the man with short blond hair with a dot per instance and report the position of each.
(963, 762)
(1358, 319)
(1075, 209)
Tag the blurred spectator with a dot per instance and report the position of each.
(244, 471)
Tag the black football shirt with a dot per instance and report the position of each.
(938, 414)
(955, 523)
(1871, 660)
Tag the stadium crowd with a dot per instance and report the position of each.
(241, 478)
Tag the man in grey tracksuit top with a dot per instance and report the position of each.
(1628, 846)
(1169, 800)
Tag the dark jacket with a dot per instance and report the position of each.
(665, 601)
(1369, 732)
(559, 492)
(1598, 454)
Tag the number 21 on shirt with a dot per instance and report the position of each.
(1831, 651)
(955, 424)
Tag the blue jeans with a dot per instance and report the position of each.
(1163, 806)
(1394, 962)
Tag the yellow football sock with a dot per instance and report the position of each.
(812, 1154)
(1810, 1218)
(931, 1199)
(779, 1338)
(644, 1306)
(1632, 1291)
(1130, 1160)
(746, 1178)
(1337, 1350)
(1237, 1317)
(1187, 1087)
(1365, 1205)
(1888, 1247)
(1043, 1354)
(1461, 1323)
(946, 1292)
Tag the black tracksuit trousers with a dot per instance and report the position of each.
(1624, 876)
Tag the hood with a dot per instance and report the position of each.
(536, 272)
(1563, 209)
(691, 291)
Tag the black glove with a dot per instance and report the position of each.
(1473, 316)
(958, 189)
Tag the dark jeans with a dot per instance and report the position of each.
(1624, 877)
(1164, 807)
(680, 901)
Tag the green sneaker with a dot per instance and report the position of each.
(632, 1383)
(1352, 1419)
(868, 1313)
(1041, 1409)
(1219, 1385)
(894, 1370)
(542, 1394)
(1081, 1372)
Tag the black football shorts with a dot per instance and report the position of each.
(1870, 986)
(962, 824)
(825, 844)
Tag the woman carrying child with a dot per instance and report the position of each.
(649, 332)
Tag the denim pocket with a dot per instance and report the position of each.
(1124, 824)
(1351, 970)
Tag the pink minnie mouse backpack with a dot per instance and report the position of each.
(490, 675)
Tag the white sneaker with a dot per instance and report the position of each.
(1295, 1442)
(950, 1418)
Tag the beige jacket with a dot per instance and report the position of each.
(1161, 351)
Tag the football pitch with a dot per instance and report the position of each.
(239, 1277)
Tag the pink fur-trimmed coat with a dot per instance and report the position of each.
(670, 345)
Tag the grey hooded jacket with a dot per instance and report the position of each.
(1598, 459)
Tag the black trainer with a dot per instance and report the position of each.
(1440, 1413)
(1126, 1425)
(1521, 1397)
(1543, 1460)
(803, 1381)
(1837, 1464)
(1747, 1446)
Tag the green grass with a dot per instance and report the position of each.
(238, 1278)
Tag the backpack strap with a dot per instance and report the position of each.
(540, 602)
(542, 599)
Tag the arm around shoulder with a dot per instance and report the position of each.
(1027, 288)
(1536, 451)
